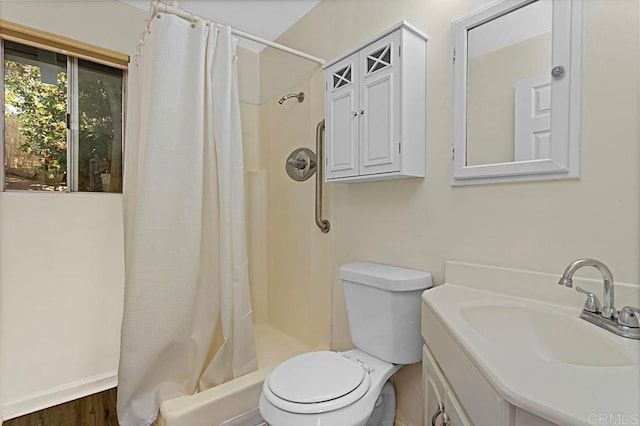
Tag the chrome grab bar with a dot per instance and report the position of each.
(323, 224)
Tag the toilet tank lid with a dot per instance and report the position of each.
(385, 277)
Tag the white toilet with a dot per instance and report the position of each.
(353, 388)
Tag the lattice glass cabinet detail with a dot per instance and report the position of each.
(375, 109)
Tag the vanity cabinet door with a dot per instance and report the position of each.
(441, 406)
(433, 403)
(342, 113)
(434, 391)
(455, 412)
(379, 100)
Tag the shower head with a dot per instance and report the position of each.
(299, 96)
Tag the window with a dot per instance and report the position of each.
(63, 121)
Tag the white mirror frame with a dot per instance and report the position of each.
(565, 100)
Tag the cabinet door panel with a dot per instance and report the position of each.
(433, 387)
(379, 100)
(455, 412)
(342, 119)
(433, 402)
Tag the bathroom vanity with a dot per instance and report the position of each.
(507, 347)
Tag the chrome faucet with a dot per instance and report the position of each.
(608, 310)
(624, 323)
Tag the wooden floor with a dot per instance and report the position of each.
(93, 410)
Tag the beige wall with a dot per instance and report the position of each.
(256, 180)
(61, 255)
(299, 254)
(255, 183)
(420, 223)
(491, 91)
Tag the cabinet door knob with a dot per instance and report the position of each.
(354, 114)
(361, 112)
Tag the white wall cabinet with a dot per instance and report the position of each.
(375, 109)
(547, 138)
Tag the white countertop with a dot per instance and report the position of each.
(563, 393)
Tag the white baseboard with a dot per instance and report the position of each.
(58, 395)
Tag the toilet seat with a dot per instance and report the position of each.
(316, 382)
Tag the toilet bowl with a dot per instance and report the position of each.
(330, 388)
(353, 388)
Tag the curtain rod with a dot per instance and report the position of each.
(157, 6)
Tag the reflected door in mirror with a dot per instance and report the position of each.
(509, 91)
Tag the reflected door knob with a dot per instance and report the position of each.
(558, 72)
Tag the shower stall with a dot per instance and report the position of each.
(290, 293)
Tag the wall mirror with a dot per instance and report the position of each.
(516, 94)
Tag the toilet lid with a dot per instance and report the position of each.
(315, 377)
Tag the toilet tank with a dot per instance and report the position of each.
(383, 304)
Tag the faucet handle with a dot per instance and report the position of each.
(592, 304)
(628, 317)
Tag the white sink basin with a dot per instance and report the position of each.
(530, 332)
(523, 334)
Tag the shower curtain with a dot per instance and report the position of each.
(187, 322)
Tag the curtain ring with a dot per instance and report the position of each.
(193, 20)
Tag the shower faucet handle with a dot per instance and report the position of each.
(298, 163)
